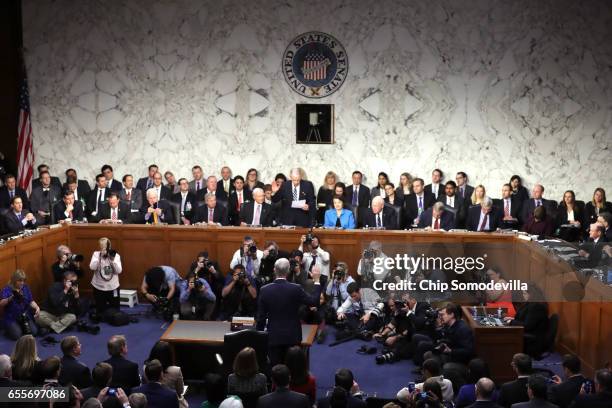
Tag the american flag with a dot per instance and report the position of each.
(25, 154)
(315, 66)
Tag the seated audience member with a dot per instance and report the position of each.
(211, 213)
(163, 192)
(436, 187)
(603, 392)
(450, 199)
(596, 206)
(73, 371)
(391, 198)
(65, 261)
(483, 217)
(436, 218)
(186, 200)
(344, 379)
(156, 211)
(468, 393)
(18, 308)
(431, 370)
(298, 200)
(101, 377)
(125, 372)
(533, 316)
(161, 284)
(592, 248)
(50, 370)
(130, 195)
(61, 308)
(257, 211)
(569, 218)
(246, 381)
(6, 372)
(249, 256)
(539, 223)
(43, 197)
(97, 197)
(215, 389)
(536, 390)
(239, 294)
(282, 396)
(226, 184)
(113, 185)
(68, 210)
(516, 391)
(537, 200)
(404, 186)
(484, 394)
(380, 216)
(172, 375)
(362, 309)
(302, 380)
(10, 190)
(17, 219)
(82, 186)
(518, 191)
(605, 219)
(114, 211)
(499, 298)
(25, 359)
(157, 394)
(417, 202)
(509, 207)
(561, 392)
(237, 199)
(339, 217)
(430, 396)
(197, 298)
(171, 182)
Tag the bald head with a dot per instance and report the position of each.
(484, 389)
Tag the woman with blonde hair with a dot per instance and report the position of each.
(325, 195)
(404, 187)
(106, 266)
(596, 206)
(24, 358)
(478, 195)
(18, 307)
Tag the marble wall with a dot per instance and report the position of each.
(489, 87)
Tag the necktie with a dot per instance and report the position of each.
(20, 217)
(295, 194)
(197, 186)
(538, 203)
(128, 195)
(149, 183)
(226, 186)
(378, 221)
(507, 208)
(11, 194)
(257, 214)
(355, 197)
(99, 198)
(420, 205)
(239, 200)
(183, 202)
(437, 224)
(462, 192)
(155, 219)
(313, 263)
(483, 224)
(114, 214)
(210, 215)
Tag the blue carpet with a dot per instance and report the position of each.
(383, 381)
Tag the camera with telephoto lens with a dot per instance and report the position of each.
(308, 238)
(369, 253)
(17, 296)
(197, 284)
(164, 307)
(83, 326)
(293, 264)
(272, 253)
(431, 316)
(339, 274)
(252, 249)
(242, 276)
(24, 322)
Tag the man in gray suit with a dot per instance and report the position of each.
(198, 182)
(43, 197)
(537, 390)
(130, 195)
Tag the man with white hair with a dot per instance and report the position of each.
(211, 188)
(483, 217)
(298, 200)
(436, 218)
(381, 216)
(6, 372)
(212, 213)
(257, 212)
(156, 211)
(226, 184)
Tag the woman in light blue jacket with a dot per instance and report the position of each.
(339, 216)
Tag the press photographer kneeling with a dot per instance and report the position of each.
(362, 311)
(159, 288)
(336, 291)
(197, 300)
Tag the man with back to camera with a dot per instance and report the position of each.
(561, 392)
(603, 392)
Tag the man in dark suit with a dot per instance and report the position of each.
(17, 219)
(54, 180)
(435, 188)
(113, 185)
(43, 197)
(71, 185)
(450, 199)
(257, 212)
(436, 218)
(212, 212)
(483, 217)
(68, 209)
(358, 196)
(157, 211)
(146, 183)
(114, 211)
(211, 188)
(129, 195)
(537, 200)
(485, 389)
(516, 391)
(345, 380)
(563, 393)
(101, 375)
(225, 185)
(6, 373)
(509, 207)
(187, 202)
(282, 396)
(10, 190)
(417, 202)
(381, 216)
(97, 197)
(298, 200)
(536, 390)
(237, 199)
(82, 189)
(73, 371)
(125, 372)
(158, 395)
(592, 248)
(163, 192)
(603, 392)
(464, 190)
(279, 305)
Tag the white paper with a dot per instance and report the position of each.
(298, 204)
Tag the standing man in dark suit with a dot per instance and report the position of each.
(212, 212)
(68, 209)
(381, 216)
(359, 196)
(83, 188)
(146, 183)
(198, 182)
(54, 180)
(603, 392)
(516, 391)
(417, 202)
(73, 371)
(187, 202)
(279, 305)
(282, 396)
(436, 188)
(17, 219)
(97, 197)
(163, 192)
(436, 218)
(257, 212)
(237, 199)
(10, 190)
(450, 199)
(130, 195)
(211, 188)
(43, 197)
(536, 390)
(114, 211)
(509, 207)
(298, 200)
(226, 184)
(125, 372)
(563, 393)
(464, 190)
(157, 211)
(113, 185)
(158, 395)
(537, 200)
(483, 217)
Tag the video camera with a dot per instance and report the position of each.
(24, 322)
(72, 260)
(163, 307)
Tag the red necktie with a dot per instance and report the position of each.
(128, 195)
(484, 223)
(113, 214)
(437, 224)
(239, 201)
(70, 214)
(507, 209)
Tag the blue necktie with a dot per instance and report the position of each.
(249, 266)
(355, 197)
(420, 205)
(20, 217)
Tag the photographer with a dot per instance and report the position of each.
(61, 308)
(239, 294)
(336, 291)
(297, 274)
(18, 308)
(197, 299)
(271, 254)
(159, 287)
(365, 268)
(208, 270)
(248, 256)
(66, 261)
(315, 255)
(362, 310)
(106, 265)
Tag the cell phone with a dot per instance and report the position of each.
(588, 386)
(111, 391)
(423, 395)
